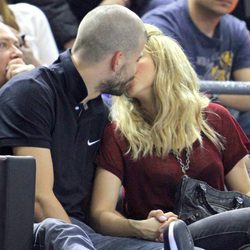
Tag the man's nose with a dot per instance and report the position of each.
(16, 52)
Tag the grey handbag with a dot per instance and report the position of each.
(195, 199)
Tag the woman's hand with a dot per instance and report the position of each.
(160, 215)
(164, 218)
(105, 219)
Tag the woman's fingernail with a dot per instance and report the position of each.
(162, 217)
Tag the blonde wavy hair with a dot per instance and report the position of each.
(180, 117)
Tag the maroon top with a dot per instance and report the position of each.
(150, 182)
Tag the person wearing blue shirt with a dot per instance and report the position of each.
(217, 44)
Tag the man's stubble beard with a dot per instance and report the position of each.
(116, 86)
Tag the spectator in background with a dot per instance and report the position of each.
(217, 44)
(154, 4)
(39, 46)
(65, 15)
(11, 56)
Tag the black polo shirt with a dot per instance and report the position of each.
(42, 108)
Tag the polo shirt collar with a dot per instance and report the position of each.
(73, 80)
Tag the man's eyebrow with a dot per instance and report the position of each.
(8, 39)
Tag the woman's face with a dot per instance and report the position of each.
(141, 86)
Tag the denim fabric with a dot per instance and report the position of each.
(117, 243)
(225, 231)
(52, 234)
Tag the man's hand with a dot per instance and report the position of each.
(17, 66)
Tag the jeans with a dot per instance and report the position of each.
(52, 234)
(224, 231)
(228, 230)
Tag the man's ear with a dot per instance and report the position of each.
(116, 60)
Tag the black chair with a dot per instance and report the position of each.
(17, 192)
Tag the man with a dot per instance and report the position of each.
(217, 44)
(62, 112)
(11, 56)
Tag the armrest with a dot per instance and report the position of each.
(17, 192)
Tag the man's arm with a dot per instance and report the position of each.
(239, 102)
(46, 203)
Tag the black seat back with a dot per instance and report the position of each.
(17, 190)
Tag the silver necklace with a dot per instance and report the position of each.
(184, 166)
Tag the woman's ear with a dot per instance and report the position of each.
(116, 61)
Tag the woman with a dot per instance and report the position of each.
(161, 123)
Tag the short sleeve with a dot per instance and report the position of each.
(110, 156)
(162, 18)
(242, 54)
(26, 114)
(236, 142)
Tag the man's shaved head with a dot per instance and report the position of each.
(106, 29)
